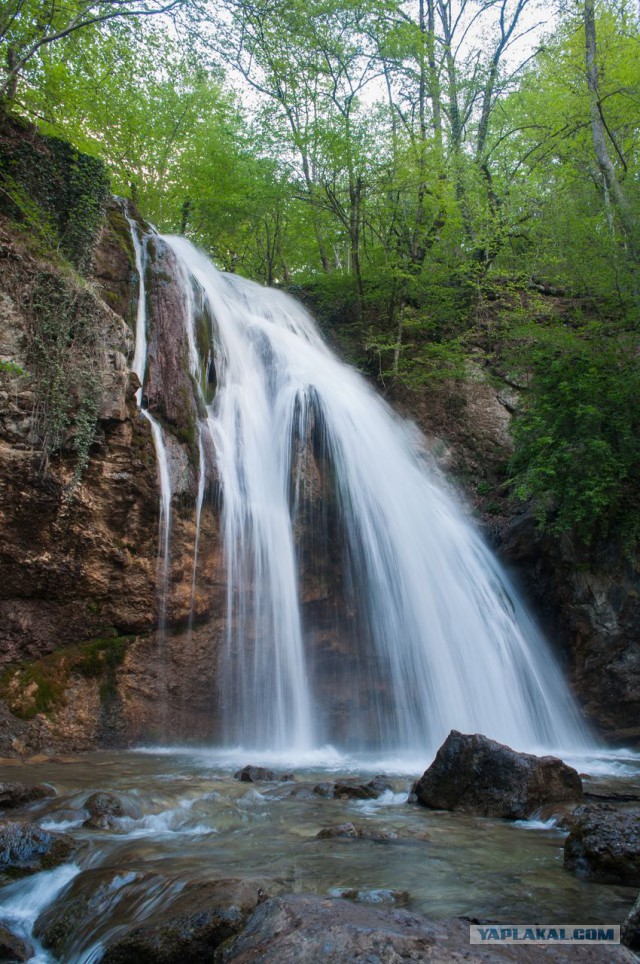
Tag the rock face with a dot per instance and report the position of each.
(591, 602)
(476, 775)
(78, 569)
(604, 845)
(314, 930)
(83, 663)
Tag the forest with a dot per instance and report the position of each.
(436, 178)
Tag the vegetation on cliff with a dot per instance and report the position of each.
(433, 176)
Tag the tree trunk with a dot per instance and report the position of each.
(611, 185)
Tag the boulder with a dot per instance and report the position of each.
(251, 774)
(14, 795)
(104, 809)
(348, 791)
(474, 774)
(26, 849)
(604, 845)
(190, 929)
(296, 929)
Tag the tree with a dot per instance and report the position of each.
(602, 136)
(27, 27)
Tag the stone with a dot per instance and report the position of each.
(104, 809)
(604, 845)
(474, 774)
(296, 929)
(26, 849)
(12, 948)
(350, 830)
(347, 791)
(14, 795)
(251, 774)
(192, 927)
(341, 830)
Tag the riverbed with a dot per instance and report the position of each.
(193, 821)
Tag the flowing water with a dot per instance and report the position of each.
(139, 365)
(191, 821)
(438, 636)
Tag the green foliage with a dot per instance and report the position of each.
(63, 352)
(10, 368)
(577, 454)
(60, 194)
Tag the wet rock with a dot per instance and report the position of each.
(347, 791)
(342, 830)
(19, 794)
(604, 845)
(104, 809)
(296, 929)
(378, 896)
(590, 601)
(380, 783)
(630, 933)
(192, 926)
(25, 849)
(251, 774)
(477, 775)
(350, 830)
(12, 948)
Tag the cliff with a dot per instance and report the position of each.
(81, 660)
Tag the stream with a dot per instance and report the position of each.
(193, 822)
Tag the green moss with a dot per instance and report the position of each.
(53, 189)
(40, 687)
(121, 232)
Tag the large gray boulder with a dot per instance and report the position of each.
(604, 845)
(474, 774)
(307, 929)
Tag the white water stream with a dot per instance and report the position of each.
(442, 639)
(139, 365)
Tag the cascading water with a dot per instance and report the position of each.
(139, 367)
(440, 639)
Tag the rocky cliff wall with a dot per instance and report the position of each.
(80, 657)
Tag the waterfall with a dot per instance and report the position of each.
(164, 476)
(140, 353)
(437, 637)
